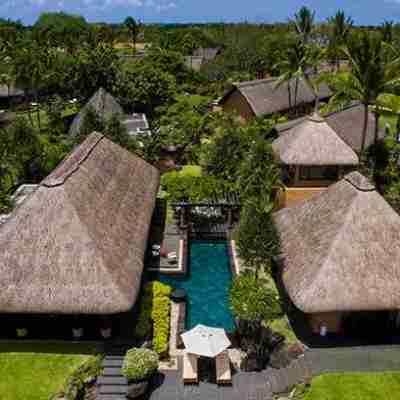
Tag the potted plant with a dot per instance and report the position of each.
(138, 367)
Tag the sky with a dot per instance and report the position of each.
(362, 11)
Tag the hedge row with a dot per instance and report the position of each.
(154, 315)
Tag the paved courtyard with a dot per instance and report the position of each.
(168, 385)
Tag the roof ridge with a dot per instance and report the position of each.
(54, 180)
(352, 104)
(254, 82)
(360, 182)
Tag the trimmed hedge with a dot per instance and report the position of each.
(155, 315)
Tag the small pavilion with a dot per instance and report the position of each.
(312, 156)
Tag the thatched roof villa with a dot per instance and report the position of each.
(263, 97)
(105, 106)
(313, 142)
(312, 156)
(341, 252)
(207, 53)
(102, 103)
(77, 243)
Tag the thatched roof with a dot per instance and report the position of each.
(76, 245)
(313, 142)
(208, 53)
(341, 250)
(347, 123)
(102, 103)
(264, 97)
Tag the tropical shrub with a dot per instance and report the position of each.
(154, 315)
(258, 237)
(161, 323)
(252, 301)
(76, 383)
(158, 289)
(193, 188)
(139, 364)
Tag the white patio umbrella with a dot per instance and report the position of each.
(205, 341)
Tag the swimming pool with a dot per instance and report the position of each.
(207, 285)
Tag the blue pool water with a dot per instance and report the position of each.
(207, 285)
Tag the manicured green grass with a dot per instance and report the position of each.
(282, 326)
(37, 375)
(194, 99)
(355, 386)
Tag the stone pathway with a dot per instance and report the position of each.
(362, 359)
(111, 385)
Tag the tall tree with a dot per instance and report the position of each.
(370, 75)
(292, 68)
(134, 30)
(304, 22)
(387, 31)
(340, 30)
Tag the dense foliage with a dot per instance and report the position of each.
(76, 385)
(139, 364)
(154, 315)
(253, 302)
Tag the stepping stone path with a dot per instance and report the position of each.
(112, 385)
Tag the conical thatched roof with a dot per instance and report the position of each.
(77, 244)
(313, 142)
(341, 250)
(102, 103)
(347, 123)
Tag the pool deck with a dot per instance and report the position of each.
(173, 241)
(168, 385)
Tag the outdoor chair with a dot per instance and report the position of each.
(190, 368)
(223, 368)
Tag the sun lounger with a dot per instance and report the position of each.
(190, 370)
(223, 368)
(172, 256)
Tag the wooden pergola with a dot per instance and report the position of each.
(228, 201)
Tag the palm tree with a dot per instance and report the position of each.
(292, 67)
(304, 22)
(387, 31)
(341, 28)
(134, 29)
(370, 75)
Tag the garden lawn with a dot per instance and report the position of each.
(38, 375)
(355, 386)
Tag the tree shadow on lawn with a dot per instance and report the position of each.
(50, 348)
